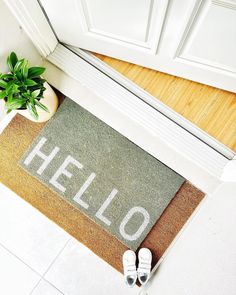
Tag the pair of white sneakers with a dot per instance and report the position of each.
(144, 266)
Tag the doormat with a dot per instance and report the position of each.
(101, 173)
(14, 142)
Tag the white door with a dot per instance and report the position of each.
(194, 39)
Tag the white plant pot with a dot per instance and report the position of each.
(50, 100)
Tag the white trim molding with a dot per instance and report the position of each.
(229, 171)
(32, 19)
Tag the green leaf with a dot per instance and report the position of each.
(35, 72)
(6, 76)
(24, 69)
(3, 84)
(15, 88)
(30, 82)
(3, 94)
(39, 80)
(15, 104)
(13, 59)
(41, 106)
(35, 93)
(9, 97)
(32, 109)
(10, 87)
(11, 68)
(26, 95)
(19, 75)
(19, 65)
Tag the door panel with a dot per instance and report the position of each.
(211, 36)
(194, 39)
(115, 25)
(124, 24)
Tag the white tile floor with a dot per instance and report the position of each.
(45, 288)
(39, 258)
(24, 231)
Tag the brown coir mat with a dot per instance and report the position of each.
(101, 173)
(14, 142)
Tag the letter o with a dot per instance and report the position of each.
(128, 216)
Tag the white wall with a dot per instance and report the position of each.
(13, 38)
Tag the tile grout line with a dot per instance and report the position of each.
(32, 269)
(18, 258)
(35, 286)
(43, 279)
(58, 254)
(52, 285)
(51, 264)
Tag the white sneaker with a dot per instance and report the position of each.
(144, 266)
(129, 265)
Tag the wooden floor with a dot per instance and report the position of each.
(211, 109)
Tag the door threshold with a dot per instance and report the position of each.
(154, 102)
(136, 119)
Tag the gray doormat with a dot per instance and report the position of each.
(102, 173)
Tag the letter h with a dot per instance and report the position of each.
(37, 152)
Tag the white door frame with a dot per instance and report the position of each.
(124, 106)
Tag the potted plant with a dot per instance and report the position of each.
(25, 91)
